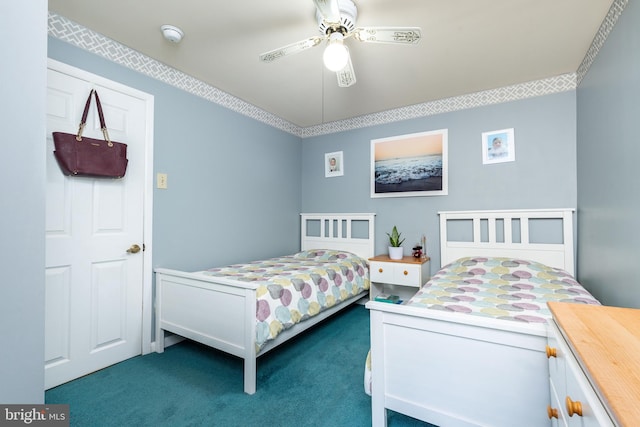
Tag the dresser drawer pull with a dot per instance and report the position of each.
(551, 352)
(380, 270)
(406, 272)
(573, 407)
(552, 412)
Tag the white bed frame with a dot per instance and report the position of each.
(452, 369)
(221, 313)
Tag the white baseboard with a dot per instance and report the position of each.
(168, 341)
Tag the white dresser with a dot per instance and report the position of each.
(594, 365)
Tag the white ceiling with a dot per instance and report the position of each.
(467, 46)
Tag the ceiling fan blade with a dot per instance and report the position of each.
(346, 76)
(329, 10)
(401, 35)
(290, 49)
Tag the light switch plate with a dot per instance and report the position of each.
(162, 181)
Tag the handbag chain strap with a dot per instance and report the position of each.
(83, 121)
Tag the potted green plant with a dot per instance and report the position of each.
(395, 244)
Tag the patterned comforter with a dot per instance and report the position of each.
(502, 288)
(295, 287)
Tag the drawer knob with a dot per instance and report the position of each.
(573, 407)
(380, 270)
(406, 272)
(551, 352)
(552, 412)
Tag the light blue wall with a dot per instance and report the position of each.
(228, 175)
(543, 175)
(22, 178)
(223, 168)
(608, 166)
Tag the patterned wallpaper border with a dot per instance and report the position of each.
(557, 84)
(84, 38)
(603, 32)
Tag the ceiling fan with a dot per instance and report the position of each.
(337, 23)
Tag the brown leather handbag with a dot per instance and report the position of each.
(82, 156)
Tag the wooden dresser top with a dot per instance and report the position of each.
(606, 343)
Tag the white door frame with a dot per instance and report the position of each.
(147, 254)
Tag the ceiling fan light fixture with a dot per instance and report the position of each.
(336, 54)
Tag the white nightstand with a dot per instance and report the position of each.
(401, 277)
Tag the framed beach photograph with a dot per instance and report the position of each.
(333, 164)
(498, 146)
(410, 165)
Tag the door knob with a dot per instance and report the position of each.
(134, 249)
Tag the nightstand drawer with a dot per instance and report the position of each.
(396, 273)
(380, 272)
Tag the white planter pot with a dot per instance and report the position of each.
(396, 253)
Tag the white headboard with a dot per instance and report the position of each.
(334, 231)
(500, 241)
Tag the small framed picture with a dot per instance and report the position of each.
(498, 146)
(333, 164)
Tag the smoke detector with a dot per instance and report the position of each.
(172, 33)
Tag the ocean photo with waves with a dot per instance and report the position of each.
(419, 173)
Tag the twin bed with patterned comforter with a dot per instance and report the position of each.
(468, 349)
(498, 288)
(293, 288)
(248, 309)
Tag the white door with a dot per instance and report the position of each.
(94, 286)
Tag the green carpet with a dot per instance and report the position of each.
(315, 379)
